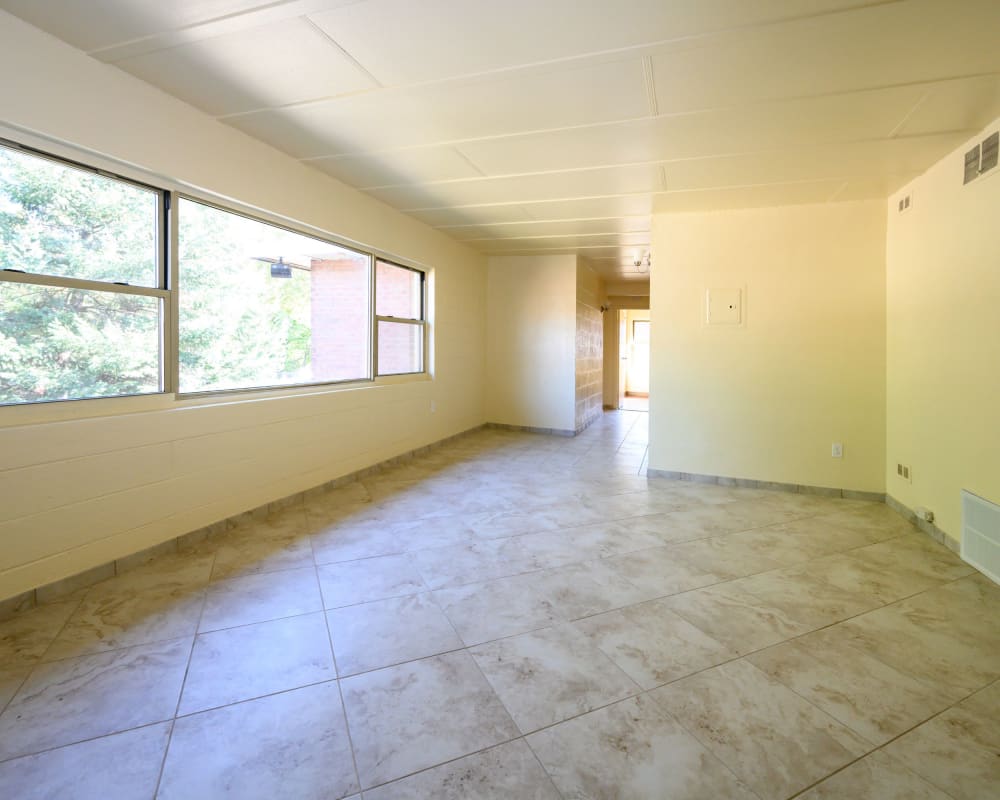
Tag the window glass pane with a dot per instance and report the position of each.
(62, 344)
(263, 306)
(59, 220)
(398, 291)
(400, 348)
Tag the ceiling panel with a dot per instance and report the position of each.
(841, 161)
(401, 41)
(804, 121)
(472, 215)
(628, 240)
(872, 188)
(969, 104)
(889, 44)
(99, 23)
(552, 228)
(777, 194)
(528, 188)
(418, 165)
(539, 98)
(286, 62)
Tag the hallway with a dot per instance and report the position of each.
(519, 616)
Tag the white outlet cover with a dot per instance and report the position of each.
(837, 450)
(724, 307)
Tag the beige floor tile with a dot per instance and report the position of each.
(10, 682)
(277, 542)
(550, 675)
(481, 612)
(918, 554)
(875, 777)
(420, 714)
(379, 634)
(25, 637)
(237, 664)
(632, 749)
(736, 618)
(769, 736)
(350, 582)
(871, 698)
(957, 751)
(935, 637)
(660, 571)
(652, 644)
(480, 560)
(258, 598)
(592, 587)
(885, 583)
(806, 599)
(501, 773)
(350, 540)
(106, 621)
(731, 556)
(129, 767)
(292, 744)
(81, 698)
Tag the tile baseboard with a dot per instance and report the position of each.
(776, 486)
(52, 592)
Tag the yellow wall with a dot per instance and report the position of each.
(531, 336)
(84, 483)
(767, 400)
(943, 340)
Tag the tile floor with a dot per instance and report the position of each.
(520, 616)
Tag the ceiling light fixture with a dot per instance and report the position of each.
(643, 265)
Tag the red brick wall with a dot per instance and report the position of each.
(340, 318)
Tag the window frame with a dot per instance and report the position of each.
(291, 228)
(160, 291)
(170, 191)
(420, 321)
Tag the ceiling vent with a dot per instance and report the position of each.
(982, 158)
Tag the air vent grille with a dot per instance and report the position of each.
(991, 149)
(981, 534)
(972, 165)
(982, 158)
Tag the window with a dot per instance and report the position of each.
(399, 319)
(264, 306)
(82, 289)
(95, 304)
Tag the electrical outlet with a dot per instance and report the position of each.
(434, 406)
(837, 450)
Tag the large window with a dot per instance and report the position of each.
(82, 286)
(399, 310)
(110, 287)
(264, 306)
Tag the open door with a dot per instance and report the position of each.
(634, 332)
(623, 356)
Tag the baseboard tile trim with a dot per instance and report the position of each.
(58, 590)
(774, 486)
(502, 426)
(929, 528)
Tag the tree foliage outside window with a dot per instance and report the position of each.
(69, 331)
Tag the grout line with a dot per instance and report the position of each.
(180, 693)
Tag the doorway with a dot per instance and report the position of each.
(633, 349)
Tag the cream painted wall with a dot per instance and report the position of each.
(943, 340)
(84, 483)
(531, 341)
(767, 400)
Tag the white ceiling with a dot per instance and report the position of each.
(559, 126)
